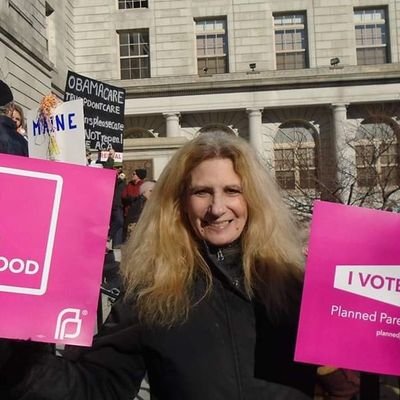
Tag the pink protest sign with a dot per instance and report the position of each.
(54, 221)
(350, 314)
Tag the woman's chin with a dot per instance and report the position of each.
(220, 240)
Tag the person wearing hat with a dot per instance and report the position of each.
(11, 142)
(131, 192)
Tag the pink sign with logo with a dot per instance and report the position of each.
(54, 221)
(350, 314)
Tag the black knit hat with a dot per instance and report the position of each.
(141, 173)
(5, 94)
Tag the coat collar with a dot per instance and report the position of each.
(226, 263)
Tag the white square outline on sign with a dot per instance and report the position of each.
(52, 230)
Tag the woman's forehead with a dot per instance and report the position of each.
(214, 171)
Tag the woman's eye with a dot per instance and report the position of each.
(233, 191)
(201, 192)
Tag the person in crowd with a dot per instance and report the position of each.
(137, 206)
(212, 284)
(98, 160)
(11, 142)
(89, 160)
(109, 163)
(19, 119)
(129, 194)
(132, 189)
(117, 212)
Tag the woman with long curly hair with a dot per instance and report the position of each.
(213, 279)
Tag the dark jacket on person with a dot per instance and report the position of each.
(11, 142)
(135, 210)
(228, 349)
(118, 189)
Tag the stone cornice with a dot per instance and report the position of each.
(264, 81)
(156, 143)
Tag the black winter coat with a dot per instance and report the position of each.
(135, 210)
(226, 350)
(11, 142)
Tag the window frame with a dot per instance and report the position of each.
(286, 29)
(374, 162)
(370, 24)
(291, 175)
(135, 4)
(376, 165)
(216, 62)
(132, 46)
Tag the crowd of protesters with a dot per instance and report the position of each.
(128, 202)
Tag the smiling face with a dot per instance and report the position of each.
(215, 205)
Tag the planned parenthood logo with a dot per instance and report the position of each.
(27, 247)
(377, 282)
(69, 324)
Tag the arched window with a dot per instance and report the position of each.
(295, 156)
(377, 155)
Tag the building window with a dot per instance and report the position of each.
(295, 156)
(291, 41)
(126, 4)
(377, 154)
(134, 51)
(372, 39)
(212, 46)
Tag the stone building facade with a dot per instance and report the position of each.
(313, 85)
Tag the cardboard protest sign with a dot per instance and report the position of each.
(104, 108)
(54, 222)
(68, 128)
(350, 314)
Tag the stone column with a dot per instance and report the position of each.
(255, 123)
(172, 124)
(343, 155)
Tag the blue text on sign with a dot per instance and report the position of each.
(59, 122)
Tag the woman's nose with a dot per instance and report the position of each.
(217, 206)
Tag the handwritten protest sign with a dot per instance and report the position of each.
(67, 126)
(53, 238)
(350, 314)
(104, 108)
